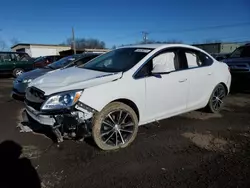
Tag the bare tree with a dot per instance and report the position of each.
(173, 41)
(14, 41)
(3, 45)
(85, 43)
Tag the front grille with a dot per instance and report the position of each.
(34, 98)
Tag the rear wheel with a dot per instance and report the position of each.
(17, 72)
(115, 126)
(216, 100)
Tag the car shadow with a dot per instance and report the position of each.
(240, 86)
(17, 98)
(6, 76)
(16, 171)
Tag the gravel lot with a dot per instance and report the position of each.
(196, 149)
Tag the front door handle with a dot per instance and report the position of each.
(209, 73)
(183, 80)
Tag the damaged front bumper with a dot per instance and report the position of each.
(37, 116)
(64, 121)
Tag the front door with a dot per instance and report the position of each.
(166, 93)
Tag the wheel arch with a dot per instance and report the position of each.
(225, 86)
(130, 104)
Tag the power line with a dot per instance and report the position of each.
(186, 30)
(202, 28)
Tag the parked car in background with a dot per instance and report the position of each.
(15, 63)
(111, 95)
(239, 62)
(45, 60)
(20, 84)
(220, 56)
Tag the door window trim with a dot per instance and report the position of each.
(179, 50)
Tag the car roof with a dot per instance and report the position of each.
(155, 46)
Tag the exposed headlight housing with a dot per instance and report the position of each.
(27, 81)
(61, 100)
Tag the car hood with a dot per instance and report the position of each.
(33, 74)
(72, 79)
(236, 60)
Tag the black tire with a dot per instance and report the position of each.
(100, 137)
(215, 102)
(17, 71)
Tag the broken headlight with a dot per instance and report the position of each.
(61, 100)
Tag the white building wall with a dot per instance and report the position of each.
(37, 52)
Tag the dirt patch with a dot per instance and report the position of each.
(201, 115)
(207, 141)
(52, 179)
(31, 152)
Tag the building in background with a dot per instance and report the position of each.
(219, 48)
(79, 51)
(37, 50)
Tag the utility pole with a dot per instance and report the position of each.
(73, 40)
(144, 37)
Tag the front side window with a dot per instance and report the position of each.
(243, 51)
(119, 60)
(164, 62)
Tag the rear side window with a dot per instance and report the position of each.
(197, 59)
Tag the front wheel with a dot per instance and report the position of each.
(115, 126)
(216, 100)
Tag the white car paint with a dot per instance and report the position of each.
(155, 98)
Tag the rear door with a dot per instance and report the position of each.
(201, 75)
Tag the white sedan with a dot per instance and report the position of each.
(113, 94)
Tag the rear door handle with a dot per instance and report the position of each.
(209, 73)
(183, 80)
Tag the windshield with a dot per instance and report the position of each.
(243, 51)
(62, 62)
(119, 60)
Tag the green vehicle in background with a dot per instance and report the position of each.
(15, 63)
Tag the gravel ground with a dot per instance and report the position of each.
(196, 149)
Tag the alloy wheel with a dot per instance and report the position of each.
(217, 97)
(19, 72)
(117, 128)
